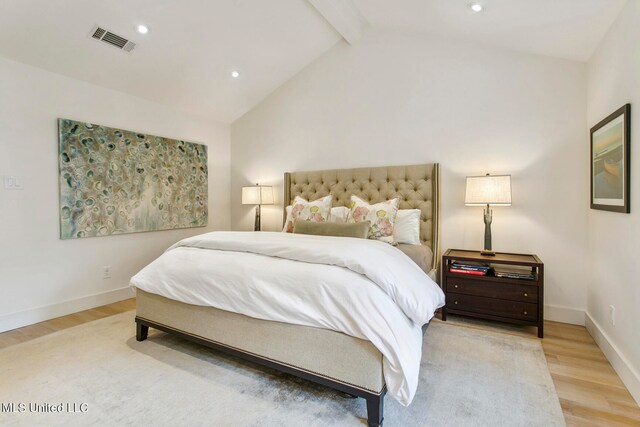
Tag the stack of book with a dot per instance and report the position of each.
(516, 275)
(472, 269)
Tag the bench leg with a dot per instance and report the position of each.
(375, 407)
(141, 331)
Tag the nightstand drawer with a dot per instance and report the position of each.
(485, 288)
(492, 306)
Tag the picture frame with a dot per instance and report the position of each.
(610, 162)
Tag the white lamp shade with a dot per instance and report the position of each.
(488, 190)
(257, 195)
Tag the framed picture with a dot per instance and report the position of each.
(610, 162)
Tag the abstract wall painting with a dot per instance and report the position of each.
(114, 181)
(610, 161)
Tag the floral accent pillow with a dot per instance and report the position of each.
(382, 216)
(317, 211)
(338, 215)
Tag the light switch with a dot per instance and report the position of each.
(13, 183)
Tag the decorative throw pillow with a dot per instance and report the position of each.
(359, 230)
(288, 219)
(317, 211)
(407, 227)
(338, 215)
(382, 216)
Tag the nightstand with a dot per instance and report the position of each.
(507, 299)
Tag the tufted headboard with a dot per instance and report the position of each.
(417, 186)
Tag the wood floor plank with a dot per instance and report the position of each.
(600, 364)
(608, 393)
(601, 417)
(7, 339)
(600, 376)
(579, 394)
(591, 393)
(626, 408)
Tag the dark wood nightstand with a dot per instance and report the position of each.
(513, 300)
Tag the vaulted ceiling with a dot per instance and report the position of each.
(568, 29)
(192, 47)
(188, 55)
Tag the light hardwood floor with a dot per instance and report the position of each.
(590, 392)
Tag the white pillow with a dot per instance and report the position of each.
(382, 216)
(338, 214)
(407, 226)
(317, 211)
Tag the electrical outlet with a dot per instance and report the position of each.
(612, 315)
(106, 272)
(13, 183)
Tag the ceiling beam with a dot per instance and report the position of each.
(344, 16)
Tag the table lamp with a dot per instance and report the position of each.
(489, 190)
(257, 195)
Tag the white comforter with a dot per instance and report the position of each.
(364, 288)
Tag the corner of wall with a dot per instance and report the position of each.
(562, 314)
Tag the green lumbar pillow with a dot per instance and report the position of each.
(359, 230)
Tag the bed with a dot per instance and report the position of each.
(301, 350)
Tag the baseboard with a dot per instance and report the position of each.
(40, 314)
(570, 315)
(620, 363)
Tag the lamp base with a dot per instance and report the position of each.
(256, 225)
(487, 252)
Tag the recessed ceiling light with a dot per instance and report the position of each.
(235, 74)
(142, 29)
(476, 7)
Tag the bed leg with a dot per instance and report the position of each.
(141, 331)
(375, 407)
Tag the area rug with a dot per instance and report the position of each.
(98, 374)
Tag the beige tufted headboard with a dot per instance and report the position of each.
(417, 186)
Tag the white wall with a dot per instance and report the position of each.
(398, 99)
(614, 238)
(42, 276)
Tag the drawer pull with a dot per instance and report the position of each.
(525, 313)
(455, 286)
(526, 294)
(455, 302)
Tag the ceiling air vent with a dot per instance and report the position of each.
(112, 39)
